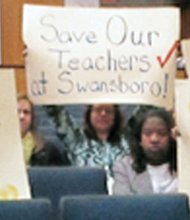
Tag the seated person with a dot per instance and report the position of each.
(100, 142)
(151, 166)
(36, 150)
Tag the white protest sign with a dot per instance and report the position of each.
(185, 45)
(88, 55)
(13, 176)
(182, 90)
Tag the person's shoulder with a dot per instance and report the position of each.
(55, 156)
(52, 149)
(47, 148)
(50, 145)
(125, 161)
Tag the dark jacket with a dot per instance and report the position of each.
(49, 155)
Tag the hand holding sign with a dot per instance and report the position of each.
(186, 53)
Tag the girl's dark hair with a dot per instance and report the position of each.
(139, 164)
(115, 132)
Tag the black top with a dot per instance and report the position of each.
(49, 155)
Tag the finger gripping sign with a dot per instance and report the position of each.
(105, 55)
(185, 44)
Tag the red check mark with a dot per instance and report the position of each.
(161, 61)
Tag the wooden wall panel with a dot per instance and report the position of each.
(138, 3)
(11, 24)
(185, 16)
(20, 79)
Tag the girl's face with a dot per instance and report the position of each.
(25, 115)
(155, 139)
(102, 118)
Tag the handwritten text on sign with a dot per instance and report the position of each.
(101, 55)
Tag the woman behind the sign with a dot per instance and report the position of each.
(100, 142)
(37, 151)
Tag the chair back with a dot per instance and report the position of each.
(105, 207)
(55, 182)
(29, 209)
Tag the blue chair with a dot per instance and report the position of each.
(30, 209)
(55, 182)
(145, 207)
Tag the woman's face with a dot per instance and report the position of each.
(25, 115)
(155, 140)
(102, 118)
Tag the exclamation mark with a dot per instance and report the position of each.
(166, 77)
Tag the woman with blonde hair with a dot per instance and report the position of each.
(37, 151)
